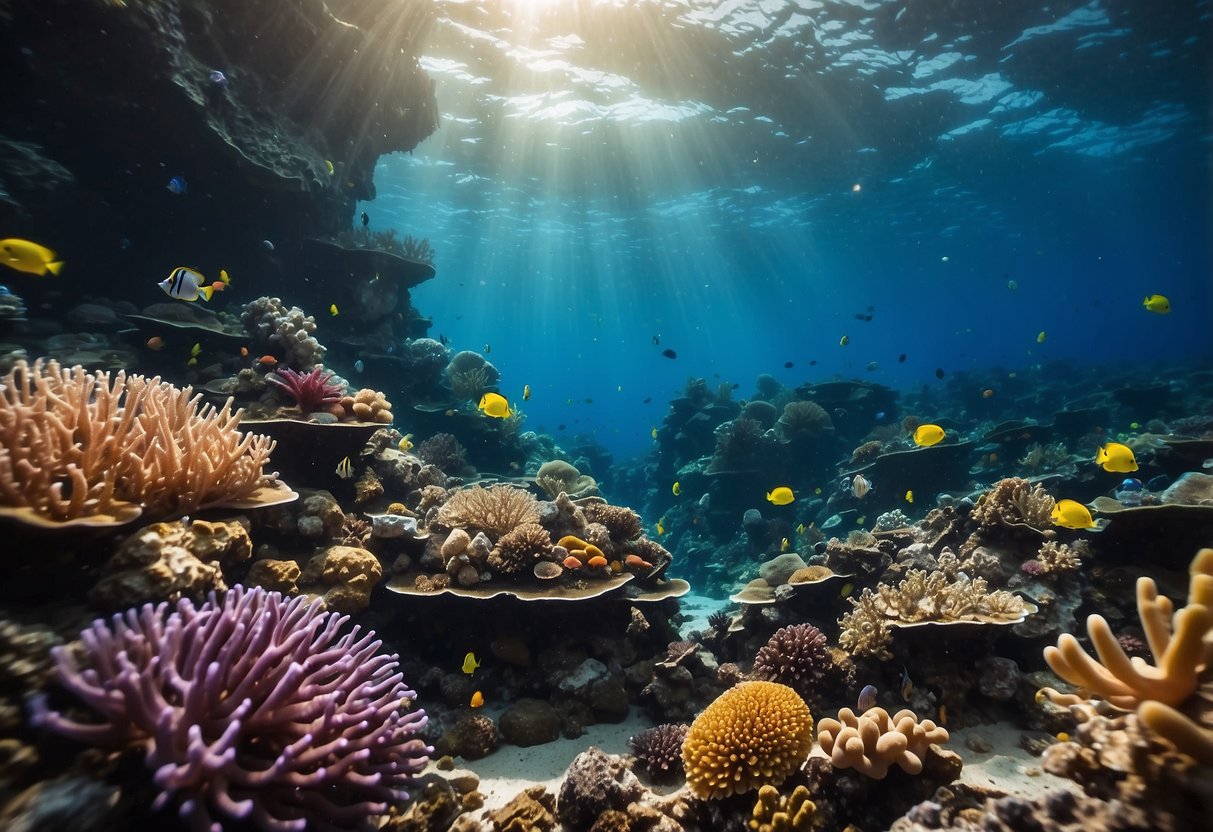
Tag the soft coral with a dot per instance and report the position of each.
(311, 391)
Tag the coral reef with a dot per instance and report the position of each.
(797, 656)
(622, 523)
(287, 332)
(96, 448)
(520, 549)
(253, 707)
(873, 741)
(801, 419)
(774, 812)
(753, 734)
(311, 391)
(444, 451)
(367, 405)
(1013, 501)
(343, 576)
(558, 476)
(498, 509)
(659, 749)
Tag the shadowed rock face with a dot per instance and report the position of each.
(106, 102)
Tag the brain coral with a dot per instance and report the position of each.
(753, 734)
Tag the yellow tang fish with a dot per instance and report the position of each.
(780, 496)
(345, 469)
(28, 257)
(195, 350)
(406, 442)
(495, 405)
(526, 392)
(1116, 458)
(846, 590)
(333, 309)
(470, 664)
(1041, 336)
(328, 167)
(1070, 514)
(784, 545)
(660, 527)
(1158, 304)
(477, 700)
(910, 497)
(676, 488)
(927, 435)
(653, 432)
(817, 490)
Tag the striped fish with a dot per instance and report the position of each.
(184, 283)
(345, 469)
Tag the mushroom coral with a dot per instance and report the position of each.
(753, 734)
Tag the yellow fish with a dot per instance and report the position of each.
(470, 664)
(910, 497)
(1116, 458)
(943, 715)
(526, 392)
(1158, 304)
(800, 529)
(406, 442)
(784, 545)
(860, 520)
(223, 277)
(28, 257)
(333, 309)
(660, 527)
(780, 496)
(676, 488)
(477, 700)
(844, 340)
(1041, 336)
(1070, 514)
(195, 350)
(495, 405)
(654, 432)
(846, 590)
(817, 490)
(328, 166)
(927, 435)
(193, 361)
(345, 469)
(907, 686)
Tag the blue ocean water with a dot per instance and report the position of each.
(742, 180)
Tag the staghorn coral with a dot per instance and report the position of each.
(1013, 501)
(774, 812)
(520, 549)
(498, 509)
(282, 331)
(797, 656)
(311, 391)
(558, 476)
(659, 749)
(96, 448)
(367, 405)
(753, 734)
(1061, 558)
(803, 419)
(623, 523)
(251, 708)
(923, 598)
(873, 742)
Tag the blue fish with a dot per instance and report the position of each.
(867, 698)
(177, 186)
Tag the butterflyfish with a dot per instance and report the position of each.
(910, 497)
(470, 664)
(184, 283)
(406, 442)
(1070, 514)
(660, 527)
(1158, 304)
(477, 700)
(526, 392)
(927, 435)
(860, 486)
(1116, 458)
(780, 496)
(784, 545)
(333, 309)
(800, 529)
(345, 469)
(495, 405)
(906, 686)
(676, 488)
(29, 257)
(224, 278)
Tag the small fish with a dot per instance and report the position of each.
(333, 309)
(470, 664)
(817, 490)
(406, 442)
(495, 405)
(910, 497)
(927, 435)
(676, 488)
(943, 715)
(1116, 458)
(1041, 336)
(488, 348)
(800, 529)
(345, 469)
(669, 354)
(177, 185)
(846, 590)
(29, 257)
(366, 219)
(661, 527)
(1157, 304)
(218, 79)
(647, 400)
(787, 365)
(184, 283)
(784, 545)
(653, 433)
(328, 167)
(939, 372)
(267, 361)
(477, 697)
(780, 496)
(453, 411)
(867, 699)
(244, 352)
(987, 393)
(526, 392)
(224, 278)
(860, 486)
(844, 340)
(906, 686)
(901, 359)
(155, 343)
(873, 366)
(359, 366)
(267, 245)
(195, 350)
(1130, 484)
(656, 340)
(859, 521)
(1012, 284)
(1071, 514)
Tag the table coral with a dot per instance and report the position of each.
(873, 742)
(753, 734)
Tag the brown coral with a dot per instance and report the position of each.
(754, 734)
(623, 523)
(1013, 501)
(873, 742)
(557, 476)
(659, 749)
(803, 419)
(774, 812)
(1060, 558)
(498, 509)
(797, 656)
(367, 406)
(520, 548)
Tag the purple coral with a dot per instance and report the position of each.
(797, 656)
(311, 390)
(253, 707)
(659, 749)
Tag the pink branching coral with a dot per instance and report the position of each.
(249, 708)
(311, 391)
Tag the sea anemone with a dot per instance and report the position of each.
(311, 391)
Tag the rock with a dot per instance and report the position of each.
(533, 811)
(393, 525)
(473, 737)
(998, 678)
(596, 782)
(530, 722)
(777, 570)
(609, 701)
(344, 576)
(584, 675)
(275, 575)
